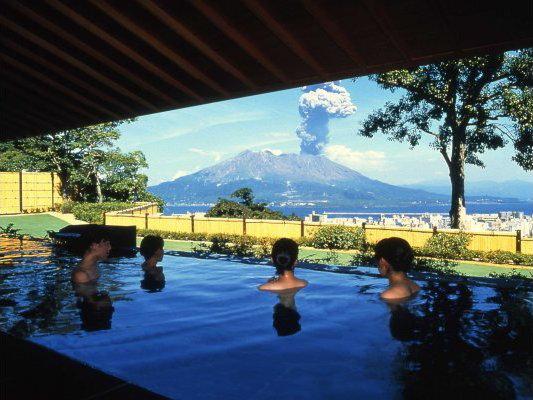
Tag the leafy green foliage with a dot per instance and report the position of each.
(339, 237)
(92, 212)
(461, 108)
(247, 208)
(10, 232)
(512, 275)
(90, 166)
(446, 245)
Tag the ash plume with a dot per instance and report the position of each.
(317, 105)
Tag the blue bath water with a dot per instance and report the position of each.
(208, 333)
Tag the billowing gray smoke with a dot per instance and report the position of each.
(317, 105)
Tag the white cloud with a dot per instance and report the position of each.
(179, 173)
(358, 160)
(216, 155)
(276, 152)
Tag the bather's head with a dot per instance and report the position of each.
(96, 243)
(152, 247)
(284, 255)
(393, 255)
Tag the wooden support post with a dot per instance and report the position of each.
(518, 241)
(363, 225)
(302, 228)
(104, 217)
(53, 187)
(146, 220)
(20, 192)
(192, 223)
(244, 225)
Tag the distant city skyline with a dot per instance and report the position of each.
(181, 142)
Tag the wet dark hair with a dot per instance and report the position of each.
(94, 235)
(284, 255)
(150, 244)
(397, 252)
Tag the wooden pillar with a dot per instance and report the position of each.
(146, 220)
(363, 225)
(244, 225)
(302, 228)
(518, 241)
(53, 187)
(104, 217)
(192, 223)
(20, 192)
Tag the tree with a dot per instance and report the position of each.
(87, 161)
(464, 107)
(245, 194)
(247, 208)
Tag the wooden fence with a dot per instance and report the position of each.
(22, 192)
(143, 217)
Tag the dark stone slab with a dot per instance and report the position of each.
(31, 371)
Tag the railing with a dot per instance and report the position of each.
(485, 240)
(22, 192)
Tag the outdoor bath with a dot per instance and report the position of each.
(209, 333)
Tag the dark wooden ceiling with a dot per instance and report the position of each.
(67, 64)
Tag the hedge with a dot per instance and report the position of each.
(92, 212)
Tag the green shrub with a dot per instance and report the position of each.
(92, 212)
(339, 237)
(445, 245)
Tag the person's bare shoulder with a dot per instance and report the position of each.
(302, 283)
(80, 277)
(396, 292)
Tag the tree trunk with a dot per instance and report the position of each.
(457, 179)
(98, 185)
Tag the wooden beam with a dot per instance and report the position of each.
(86, 48)
(322, 16)
(30, 93)
(36, 118)
(158, 45)
(63, 73)
(283, 34)
(75, 62)
(13, 123)
(61, 88)
(121, 47)
(381, 18)
(193, 39)
(227, 29)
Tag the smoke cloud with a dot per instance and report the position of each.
(317, 105)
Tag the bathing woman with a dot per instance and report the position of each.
(394, 257)
(284, 258)
(97, 248)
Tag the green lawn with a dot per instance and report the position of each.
(34, 225)
(466, 268)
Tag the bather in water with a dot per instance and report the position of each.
(394, 257)
(96, 249)
(284, 258)
(152, 251)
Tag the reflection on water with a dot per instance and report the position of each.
(286, 319)
(455, 339)
(154, 280)
(453, 350)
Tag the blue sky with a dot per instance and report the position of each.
(183, 141)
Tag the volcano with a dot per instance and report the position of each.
(285, 179)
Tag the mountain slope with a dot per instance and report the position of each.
(518, 189)
(287, 178)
